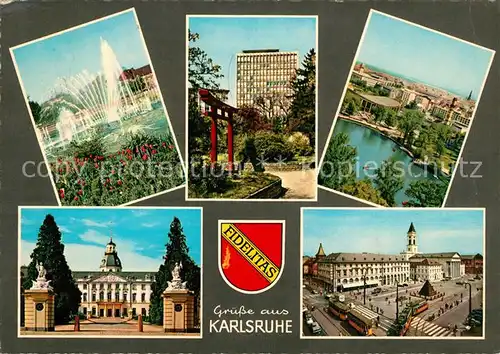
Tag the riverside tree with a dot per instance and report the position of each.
(389, 180)
(338, 169)
(50, 252)
(177, 251)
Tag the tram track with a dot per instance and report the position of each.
(343, 331)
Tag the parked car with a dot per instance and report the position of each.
(376, 291)
(310, 322)
(316, 329)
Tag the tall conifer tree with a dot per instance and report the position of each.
(302, 114)
(50, 252)
(176, 251)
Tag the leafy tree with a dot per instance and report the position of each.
(36, 111)
(390, 118)
(426, 193)
(412, 105)
(249, 120)
(176, 251)
(137, 84)
(389, 181)
(379, 114)
(409, 122)
(50, 252)
(303, 107)
(444, 133)
(365, 190)
(202, 73)
(350, 106)
(338, 165)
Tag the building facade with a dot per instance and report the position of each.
(473, 264)
(349, 271)
(426, 270)
(412, 245)
(450, 262)
(263, 78)
(110, 292)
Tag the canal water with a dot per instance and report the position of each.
(373, 148)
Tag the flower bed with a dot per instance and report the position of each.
(142, 167)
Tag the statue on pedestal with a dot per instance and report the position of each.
(41, 282)
(176, 283)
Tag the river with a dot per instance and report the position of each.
(373, 148)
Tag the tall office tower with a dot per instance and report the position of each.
(263, 79)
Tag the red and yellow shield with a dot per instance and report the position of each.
(251, 254)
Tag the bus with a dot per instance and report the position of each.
(338, 309)
(360, 322)
(419, 306)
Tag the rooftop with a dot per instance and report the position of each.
(248, 51)
(362, 258)
(380, 100)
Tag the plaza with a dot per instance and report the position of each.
(406, 294)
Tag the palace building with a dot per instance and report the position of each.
(111, 292)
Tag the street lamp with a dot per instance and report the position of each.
(397, 300)
(364, 281)
(470, 297)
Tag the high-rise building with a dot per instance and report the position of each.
(263, 79)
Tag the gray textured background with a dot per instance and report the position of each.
(163, 24)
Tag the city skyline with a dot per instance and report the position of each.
(223, 37)
(140, 235)
(76, 50)
(422, 54)
(384, 230)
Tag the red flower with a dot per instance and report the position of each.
(80, 192)
(61, 193)
(129, 157)
(153, 151)
(164, 144)
(143, 148)
(170, 147)
(96, 165)
(112, 172)
(76, 198)
(119, 183)
(110, 188)
(150, 146)
(144, 157)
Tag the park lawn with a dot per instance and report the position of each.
(240, 188)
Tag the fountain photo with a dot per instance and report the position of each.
(405, 115)
(98, 113)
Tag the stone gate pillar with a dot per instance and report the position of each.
(39, 304)
(178, 305)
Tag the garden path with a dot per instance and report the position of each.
(299, 184)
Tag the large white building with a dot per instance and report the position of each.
(348, 271)
(110, 292)
(426, 270)
(264, 76)
(451, 263)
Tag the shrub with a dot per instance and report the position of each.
(92, 147)
(299, 144)
(205, 179)
(272, 147)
